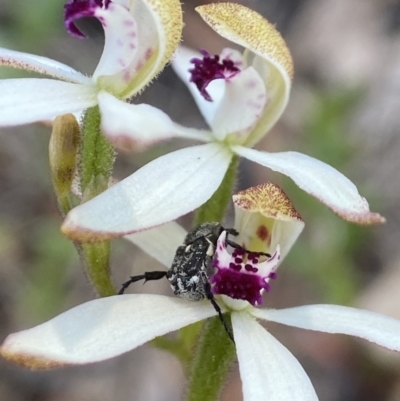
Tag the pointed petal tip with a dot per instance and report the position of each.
(29, 361)
(81, 234)
(364, 219)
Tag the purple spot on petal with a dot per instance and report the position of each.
(75, 9)
(251, 84)
(127, 75)
(238, 285)
(148, 53)
(209, 68)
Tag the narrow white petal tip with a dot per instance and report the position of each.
(81, 234)
(363, 218)
(29, 361)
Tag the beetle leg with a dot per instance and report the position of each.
(210, 297)
(147, 276)
(237, 246)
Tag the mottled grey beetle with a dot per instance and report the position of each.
(192, 266)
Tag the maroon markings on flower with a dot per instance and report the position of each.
(238, 285)
(209, 68)
(75, 9)
(263, 234)
(243, 274)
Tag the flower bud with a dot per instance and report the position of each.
(63, 149)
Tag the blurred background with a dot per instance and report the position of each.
(344, 110)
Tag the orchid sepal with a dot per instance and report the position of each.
(320, 180)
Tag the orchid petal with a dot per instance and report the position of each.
(268, 370)
(75, 9)
(371, 326)
(159, 24)
(121, 39)
(27, 100)
(265, 218)
(273, 61)
(319, 180)
(181, 65)
(101, 329)
(133, 127)
(234, 55)
(160, 242)
(241, 104)
(237, 102)
(161, 191)
(42, 65)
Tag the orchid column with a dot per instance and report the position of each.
(140, 38)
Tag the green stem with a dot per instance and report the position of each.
(214, 209)
(211, 364)
(97, 156)
(96, 162)
(96, 259)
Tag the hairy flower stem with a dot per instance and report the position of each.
(210, 365)
(96, 162)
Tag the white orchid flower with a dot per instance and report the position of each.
(140, 38)
(241, 97)
(107, 327)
